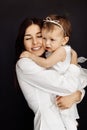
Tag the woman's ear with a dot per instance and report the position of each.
(65, 40)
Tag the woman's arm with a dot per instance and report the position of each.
(65, 102)
(36, 76)
(58, 55)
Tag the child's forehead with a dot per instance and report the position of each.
(47, 32)
(55, 28)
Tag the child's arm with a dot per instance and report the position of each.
(73, 57)
(58, 55)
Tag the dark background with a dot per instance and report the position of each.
(14, 111)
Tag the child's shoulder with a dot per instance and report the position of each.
(65, 47)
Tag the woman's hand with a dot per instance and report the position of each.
(65, 102)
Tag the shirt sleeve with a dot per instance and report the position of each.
(27, 66)
(83, 94)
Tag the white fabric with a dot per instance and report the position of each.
(82, 59)
(33, 79)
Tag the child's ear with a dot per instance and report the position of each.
(66, 39)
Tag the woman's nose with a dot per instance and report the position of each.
(34, 41)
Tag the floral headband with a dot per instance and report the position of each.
(57, 22)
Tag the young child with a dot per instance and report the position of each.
(55, 34)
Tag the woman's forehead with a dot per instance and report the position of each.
(34, 28)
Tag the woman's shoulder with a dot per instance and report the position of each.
(27, 66)
(23, 62)
(22, 65)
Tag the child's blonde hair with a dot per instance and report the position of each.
(60, 21)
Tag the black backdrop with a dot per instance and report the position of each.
(14, 111)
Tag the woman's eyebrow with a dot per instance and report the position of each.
(27, 35)
(30, 34)
(39, 32)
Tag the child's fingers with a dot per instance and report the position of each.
(24, 54)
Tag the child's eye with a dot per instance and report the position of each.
(44, 38)
(52, 40)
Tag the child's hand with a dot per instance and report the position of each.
(25, 54)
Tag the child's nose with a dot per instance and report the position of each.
(47, 42)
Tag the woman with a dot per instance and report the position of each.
(37, 82)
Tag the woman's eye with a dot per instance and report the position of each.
(39, 36)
